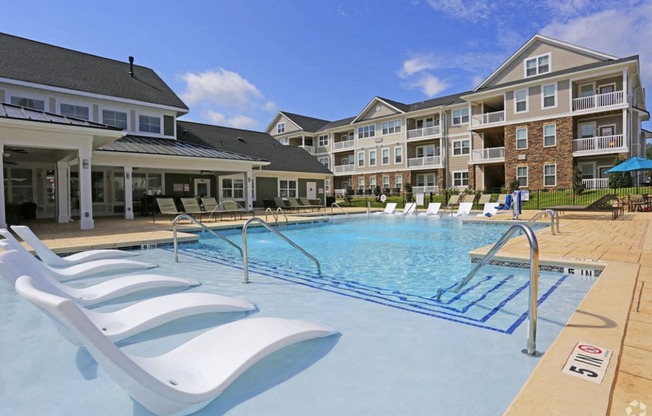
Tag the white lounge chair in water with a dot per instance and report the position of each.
(13, 264)
(463, 210)
(389, 208)
(77, 271)
(409, 208)
(50, 258)
(490, 209)
(187, 378)
(433, 208)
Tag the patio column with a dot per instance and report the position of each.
(3, 214)
(86, 221)
(63, 192)
(129, 201)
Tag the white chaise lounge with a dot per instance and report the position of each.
(433, 208)
(409, 208)
(50, 258)
(389, 208)
(190, 376)
(463, 210)
(490, 209)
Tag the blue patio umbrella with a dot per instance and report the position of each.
(633, 164)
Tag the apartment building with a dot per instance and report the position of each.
(550, 108)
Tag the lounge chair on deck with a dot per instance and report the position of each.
(294, 203)
(233, 208)
(603, 204)
(468, 198)
(191, 207)
(464, 209)
(305, 202)
(433, 208)
(50, 258)
(14, 264)
(389, 208)
(211, 207)
(453, 201)
(485, 198)
(187, 378)
(281, 203)
(490, 209)
(76, 271)
(167, 207)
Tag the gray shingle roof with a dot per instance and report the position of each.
(30, 61)
(308, 124)
(253, 143)
(22, 113)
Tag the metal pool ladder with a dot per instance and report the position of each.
(245, 260)
(203, 227)
(534, 279)
(554, 219)
(335, 204)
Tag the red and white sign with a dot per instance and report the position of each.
(588, 361)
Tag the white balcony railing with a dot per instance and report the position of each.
(490, 154)
(309, 149)
(599, 183)
(488, 118)
(428, 161)
(425, 189)
(343, 168)
(344, 145)
(423, 132)
(599, 144)
(598, 101)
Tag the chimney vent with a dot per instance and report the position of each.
(131, 66)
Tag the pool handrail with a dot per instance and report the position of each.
(275, 214)
(203, 227)
(245, 259)
(335, 204)
(534, 278)
(554, 219)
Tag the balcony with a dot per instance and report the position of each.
(426, 162)
(347, 144)
(599, 145)
(598, 101)
(488, 118)
(344, 168)
(490, 154)
(425, 189)
(599, 183)
(309, 149)
(423, 132)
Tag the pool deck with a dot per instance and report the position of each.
(616, 314)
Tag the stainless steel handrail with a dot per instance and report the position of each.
(554, 219)
(334, 204)
(271, 211)
(203, 227)
(534, 278)
(245, 259)
(275, 214)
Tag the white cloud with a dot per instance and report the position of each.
(429, 84)
(269, 106)
(417, 64)
(220, 87)
(473, 10)
(238, 121)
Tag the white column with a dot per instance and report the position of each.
(129, 201)
(626, 132)
(249, 195)
(3, 213)
(63, 192)
(85, 195)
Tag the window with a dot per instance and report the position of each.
(398, 155)
(460, 179)
(280, 128)
(366, 131)
(537, 65)
(521, 138)
(426, 151)
(461, 147)
(425, 122)
(21, 185)
(385, 156)
(322, 141)
(390, 127)
(283, 141)
(114, 118)
(549, 175)
(29, 103)
(233, 188)
(146, 184)
(149, 124)
(426, 180)
(587, 130)
(361, 159)
(372, 157)
(287, 189)
(327, 186)
(520, 101)
(385, 182)
(360, 183)
(461, 116)
(521, 176)
(549, 95)
(372, 182)
(324, 161)
(398, 182)
(97, 186)
(549, 135)
(76, 111)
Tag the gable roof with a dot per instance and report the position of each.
(399, 107)
(253, 143)
(307, 124)
(34, 62)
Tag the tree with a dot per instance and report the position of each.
(578, 183)
(620, 179)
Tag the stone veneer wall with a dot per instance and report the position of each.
(379, 179)
(536, 156)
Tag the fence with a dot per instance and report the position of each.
(549, 198)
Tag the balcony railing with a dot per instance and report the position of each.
(343, 168)
(487, 118)
(599, 183)
(598, 101)
(344, 145)
(490, 154)
(423, 132)
(428, 161)
(425, 189)
(309, 149)
(599, 144)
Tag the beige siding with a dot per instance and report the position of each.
(377, 110)
(535, 102)
(290, 127)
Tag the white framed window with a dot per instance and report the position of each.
(385, 153)
(521, 138)
(391, 127)
(537, 65)
(461, 147)
(549, 96)
(426, 151)
(77, 111)
(461, 116)
(461, 179)
(283, 141)
(280, 128)
(325, 160)
(426, 180)
(587, 130)
(287, 188)
(361, 183)
(398, 182)
(520, 101)
(372, 157)
(366, 131)
(361, 159)
(426, 122)
(28, 102)
(398, 154)
(322, 141)
(549, 135)
(233, 188)
(385, 182)
(115, 118)
(146, 184)
(549, 175)
(372, 182)
(521, 176)
(327, 186)
(149, 124)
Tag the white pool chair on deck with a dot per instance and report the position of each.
(433, 208)
(490, 209)
(14, 264)
(77, 271)
(190, 376)
(50, 258)
(463, 210)
(389, 208)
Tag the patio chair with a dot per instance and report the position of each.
(389, 208)
(77, 271)
(468, 198)
(463, 210)
(281, 203)
(306, 202)
(211, 207)
(14, 264)
(484, 198)
(167, 207)
(294, 203)
(453, 201)
(187, 378)
(409, 208)
(433, 208)
(50, 258)
(191, 207)
(232, 207)
(490, 209)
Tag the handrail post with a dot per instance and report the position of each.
(191, 219)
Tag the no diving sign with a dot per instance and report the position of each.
(588, 361)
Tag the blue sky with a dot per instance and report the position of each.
(237, 63)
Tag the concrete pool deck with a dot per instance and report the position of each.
(616, 314)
